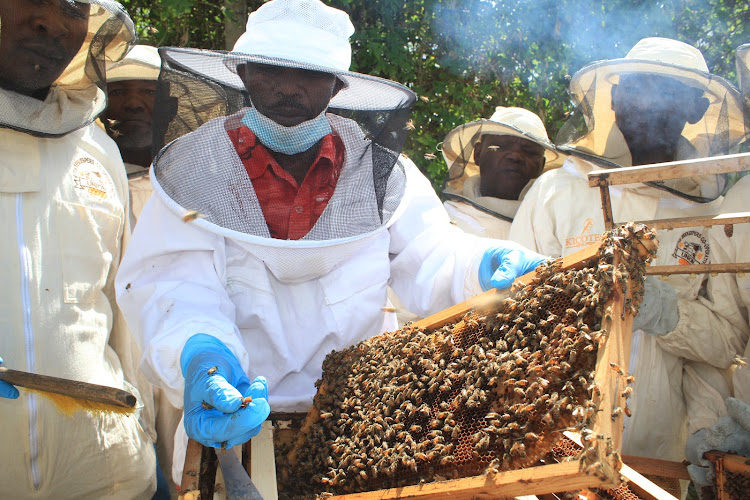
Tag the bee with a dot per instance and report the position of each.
(616, 413)
(739, 361)
(594, 389)
(191, 215)
(518, 449)
(548, 420)
(617, 368)
(629, 379)
(212, 370)
(627, 392)
(430, 156)
(410, 125)
(627, 411)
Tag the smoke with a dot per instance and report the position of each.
(474, 34)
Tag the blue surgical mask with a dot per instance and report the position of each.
(287, 140)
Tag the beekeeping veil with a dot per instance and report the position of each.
(78, 95)
(592, 132)
(201, 171)
(458, 145)
(743, 79)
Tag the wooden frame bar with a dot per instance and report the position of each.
(740, 267)
(717, 220)
(671, 170)
(553, 478)
(603, 179)
(726, 462)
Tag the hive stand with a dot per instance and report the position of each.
(199, 475)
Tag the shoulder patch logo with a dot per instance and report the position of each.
(91, 178)
(585, 238)
(692, 248)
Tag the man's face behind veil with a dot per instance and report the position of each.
(38, 39)
(288, 96)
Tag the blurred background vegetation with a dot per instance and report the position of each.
(464, 57)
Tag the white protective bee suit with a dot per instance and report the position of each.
(64, 200)
(681, 377)
(737, 286)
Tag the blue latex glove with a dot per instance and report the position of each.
(227, 424)
(658, 313)
(501, 265)
(7, 390)
(731, 434)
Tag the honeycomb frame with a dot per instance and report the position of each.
(599, 423)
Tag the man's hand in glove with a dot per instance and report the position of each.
(731, 434)
(501, 265)
(7, 390)
(219, 411)
(658, 314)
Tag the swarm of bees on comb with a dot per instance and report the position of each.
(494, 391)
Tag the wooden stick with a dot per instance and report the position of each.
(657, 467)
(71, 388)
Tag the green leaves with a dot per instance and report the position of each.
(464, 57)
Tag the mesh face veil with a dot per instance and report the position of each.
(593, 133)
(743, 78)
(458, 146)
(77, 96)
(201, 94)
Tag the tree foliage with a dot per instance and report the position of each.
(464, 57)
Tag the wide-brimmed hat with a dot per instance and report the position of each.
(458, 146)
(142, 62)
(718, 131)
(305, 34)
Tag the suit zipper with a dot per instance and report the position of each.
(28, 331)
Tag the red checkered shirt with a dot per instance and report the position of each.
(290, 210)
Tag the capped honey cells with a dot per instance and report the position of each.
(491, 392)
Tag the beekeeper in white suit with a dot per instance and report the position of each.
(64, 201)
(655, 105)
(131, 90)
(492, 165)
(731, 433)
(274, 232)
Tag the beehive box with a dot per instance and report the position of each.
(453, 407)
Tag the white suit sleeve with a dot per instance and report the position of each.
(712, 328)
(170, 286)
(434, 264)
